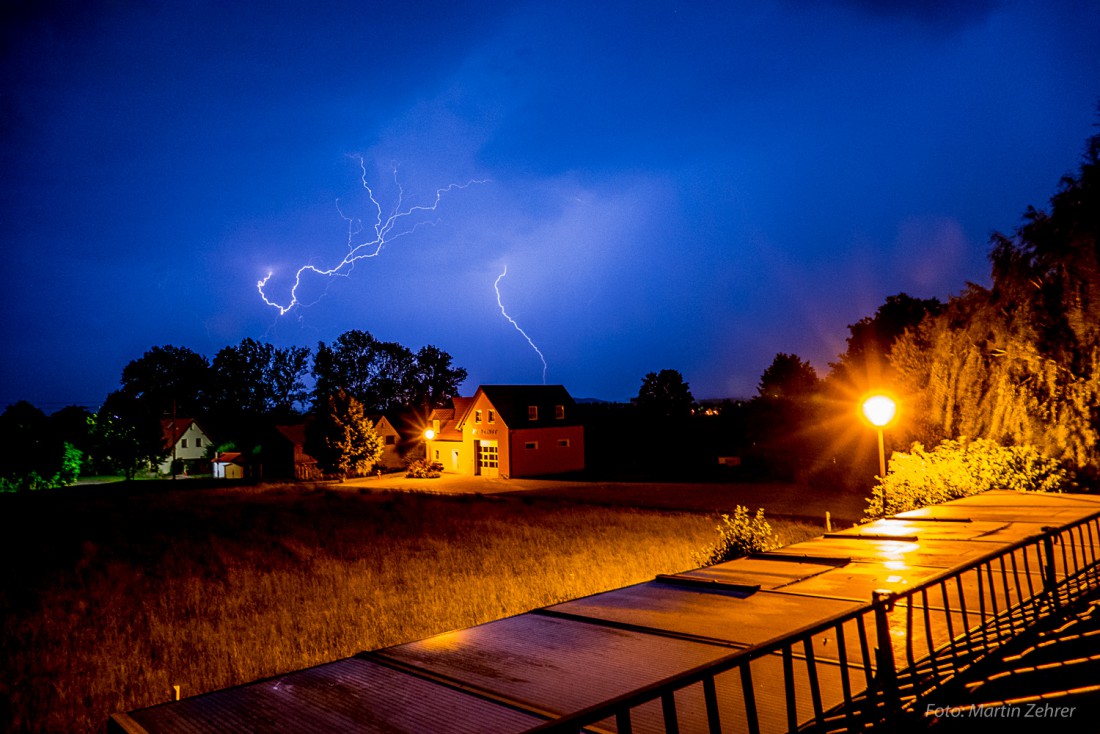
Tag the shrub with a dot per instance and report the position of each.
(423, 469)
(738, 536)
(961, 468)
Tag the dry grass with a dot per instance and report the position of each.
(113, 595)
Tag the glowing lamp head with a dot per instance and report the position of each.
(879, 410)
(429, 434)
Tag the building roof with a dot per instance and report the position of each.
(182, 424)
(512, 401)
(229, 457)
(296, 434)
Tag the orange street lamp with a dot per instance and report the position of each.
(880, 410)
(428, 436)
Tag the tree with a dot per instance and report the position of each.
(664, 394)
(871, 339)
(1020, 363)
(342, 438)
(384, 375)
(959, 468)
(255, 379)
(127, 435)
(167, 378)
(788, 377)
(433, 380)
(32, 454)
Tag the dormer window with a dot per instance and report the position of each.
(559, 412)
(532, 412)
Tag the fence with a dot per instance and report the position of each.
(886, 658)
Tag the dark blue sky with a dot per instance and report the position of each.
(694, 186)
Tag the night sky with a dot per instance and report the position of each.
(684, 185)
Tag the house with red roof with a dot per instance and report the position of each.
(185, 441)
(508, 431)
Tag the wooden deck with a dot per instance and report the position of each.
(518, 673)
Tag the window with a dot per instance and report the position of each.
(198, 443)
(559, 412)
(437, 454)
(532, 412)
(477, 416)
(391, 440)
(492, 416)
(183, 443)
(563, 443)
(531, 445)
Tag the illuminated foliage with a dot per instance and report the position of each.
(739, 535)
(959, 468)
(1020, 363)
(342, 438)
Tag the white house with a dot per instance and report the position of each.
(186, 441)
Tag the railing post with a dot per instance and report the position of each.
(1051, 580)
(887, 674)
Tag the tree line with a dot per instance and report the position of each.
(243, 390)
(1013, 365)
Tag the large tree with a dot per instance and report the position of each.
(433, 380)
(257, 379)
(788, 377)
(127, 435)
(1020, 363)
(33, 453)
(383, 375)
(664, 394)
(168, 379)
(342, 438)
(864, 363)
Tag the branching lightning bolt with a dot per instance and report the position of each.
(386, 228)
(496, 287)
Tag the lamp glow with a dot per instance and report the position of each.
(429, 434)
(879, 410)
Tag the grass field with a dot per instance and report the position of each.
(112, 595)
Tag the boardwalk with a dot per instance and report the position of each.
(848, 630)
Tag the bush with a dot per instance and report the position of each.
(423, 469)
(961, 468)
(738, 536)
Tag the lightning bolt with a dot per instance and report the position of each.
(386, 228)
(496, 287)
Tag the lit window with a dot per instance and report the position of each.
(492, 416)
(531, 445)
(183, 443)
(563, 442)
(477, 416)
(532, 412)
(559, 412)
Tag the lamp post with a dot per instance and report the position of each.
(428, 436)
(880, 410)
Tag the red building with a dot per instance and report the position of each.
(509, 431)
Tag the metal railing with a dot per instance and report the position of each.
(888, 656)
